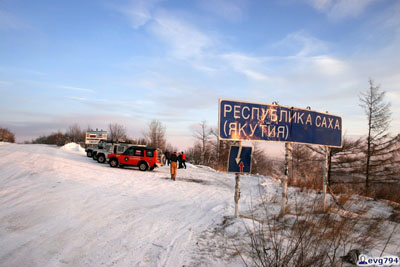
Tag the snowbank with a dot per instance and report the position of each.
(74, 147)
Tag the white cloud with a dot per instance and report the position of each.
(175, 94)
(273, 68)
(76, 88)
(77, 98)
(386, 22)
(254, 75)
(302, 44)
(247, 65)
(348, 8)
(185, 40)
(139, 12)
(231, 10)
(340, 9)
(321, 5)
(391, 17)
(328, 65)
(135, 106)
(62, 86)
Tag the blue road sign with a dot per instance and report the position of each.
(240, 159)
(261, 122)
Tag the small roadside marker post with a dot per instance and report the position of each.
(285, 177)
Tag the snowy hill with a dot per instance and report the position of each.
(61, 208)
(58, 207)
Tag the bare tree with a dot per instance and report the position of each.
(6, 135)
(223, 153)
(260, 163)
(56, 138)
(155, 135)
(116, 132)
(75, 133)
(302, 161)
(140, 141)
(203, 135)
(194, 154)
(170, 148)
(344, 162)
(379, 145)
(215, 146)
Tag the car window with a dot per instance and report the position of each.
(139, 152)
(149, 153)
(121, 149)
(130, 151)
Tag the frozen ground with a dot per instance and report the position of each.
(61, 208)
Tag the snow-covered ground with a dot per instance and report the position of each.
(61, 208)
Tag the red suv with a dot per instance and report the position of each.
(139, 156)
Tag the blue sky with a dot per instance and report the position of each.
(95, 62)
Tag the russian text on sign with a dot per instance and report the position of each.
(261, 122)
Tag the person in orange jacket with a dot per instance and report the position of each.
(174, 160)
(180, 161)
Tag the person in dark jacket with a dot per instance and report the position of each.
(167, 157)
(174, 159)
(183, 159)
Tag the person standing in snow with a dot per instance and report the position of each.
(167, 157)
(180, 160)
(183, 159)
(174, 160)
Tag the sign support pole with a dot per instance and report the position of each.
(285, 177)
(325, 177)
(237, 194)
(237, 185)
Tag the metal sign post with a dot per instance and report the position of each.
(239, 162)
(285, 176)
(325, 176)
(237, 194)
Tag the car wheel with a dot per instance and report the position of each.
(95, 157)
(101, 158)
(113, 163)
(143, 166)
(89, 154)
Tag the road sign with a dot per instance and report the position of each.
(261, 122)
(240, 159)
